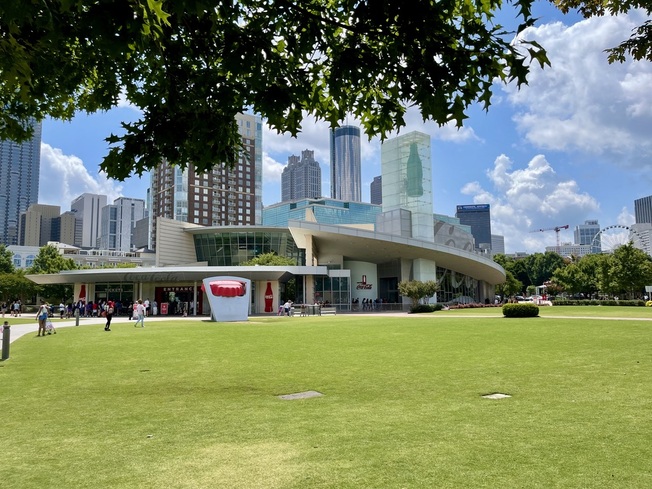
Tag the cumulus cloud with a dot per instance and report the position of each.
(64, 177)
(625, 218)
(526, 199)
(582, 103)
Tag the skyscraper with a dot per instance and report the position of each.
(118, 223)
(345, 164)
(584, 234)
(478, 216)
(301, 178)
(222, 196)
(376, 190)
(37, 224)
(19, 179)
(643, 210)
(88, 208)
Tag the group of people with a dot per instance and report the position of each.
(15, 308)
(106, 309)
(368, 304)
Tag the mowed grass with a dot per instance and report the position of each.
(194, 404)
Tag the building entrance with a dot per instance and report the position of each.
(178, 300)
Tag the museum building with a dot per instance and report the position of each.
(344, 252)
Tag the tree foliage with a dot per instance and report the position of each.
(6, 260)
(417, 290)
(269, 260)
(49, 260)
(639, 44)
(630, 271)
(191, 65)
(541, 266)
(16, 286)
(510, 287)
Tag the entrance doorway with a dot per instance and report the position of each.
(177, 300)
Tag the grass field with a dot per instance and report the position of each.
(195, 404)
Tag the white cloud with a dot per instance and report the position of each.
(625, 218)
(582, 103)
(524, 200)
(64, 177)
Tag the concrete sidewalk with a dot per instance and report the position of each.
(20, 330)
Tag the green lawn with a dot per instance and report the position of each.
(194, 404)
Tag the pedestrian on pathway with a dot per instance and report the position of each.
(110, 309)
(140, 311)
(42, 316)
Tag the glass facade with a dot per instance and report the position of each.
(478, 216)
(456, 286)
(225, 249)
(120, 292)
(407, 180)
(19, 181)
(325, 211)
(346, 178)
(335, 291)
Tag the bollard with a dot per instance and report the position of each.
(5, 341)
(77, 316)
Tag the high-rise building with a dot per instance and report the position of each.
(41, 223)
(20, 166)
(586, 233)
(301, 178)
(118, 223)
(497, 244)
(643, 210)
(478, 216)
(37, 223)
(376, 190)
(223, 196)
(346, 175)
(88, 208)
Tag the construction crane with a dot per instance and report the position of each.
(556, 229)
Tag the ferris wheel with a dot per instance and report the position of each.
(612, 237)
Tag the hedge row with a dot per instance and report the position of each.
(520, 310)
(588, 302)
(419, 308)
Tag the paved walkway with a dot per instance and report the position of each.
(19, 330)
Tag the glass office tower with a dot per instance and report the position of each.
(20, 166)
(346, 180)
(478, 216)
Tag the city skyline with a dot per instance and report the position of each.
(557, 152)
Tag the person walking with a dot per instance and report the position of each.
(42, 316)
(140, 312)
(109, 307)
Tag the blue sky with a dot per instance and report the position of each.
(575, 144)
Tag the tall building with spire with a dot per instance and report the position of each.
(20, 166)
(301, 178)
(223, 196)
(346, 178)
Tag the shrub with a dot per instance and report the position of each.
(520, 310)
(648, 304)
(419, 308)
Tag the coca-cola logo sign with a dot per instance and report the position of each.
(363, 285)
